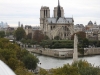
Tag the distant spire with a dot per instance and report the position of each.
(58, 3)
(95, 23)
(58, 11)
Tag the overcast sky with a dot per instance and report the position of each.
(28, 11)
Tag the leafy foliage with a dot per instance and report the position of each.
(12, 55)
(85, 68)
(66, 70)
(57, 43)
(38, 36)
(30, 61)
(43, 72)
(81, 35)
(22, 71)
(76, 68)
(57, 38)
(28, 41)
(29, 36)
(2, 34)
(20, 33)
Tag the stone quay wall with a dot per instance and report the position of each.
(92, 51)
(47, 52)
(52, 53)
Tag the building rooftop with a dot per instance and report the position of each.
(61, 20)
(90, 23)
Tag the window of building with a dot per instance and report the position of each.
(51, 27)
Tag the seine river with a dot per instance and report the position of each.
(50, 62)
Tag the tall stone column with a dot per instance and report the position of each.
(75, 54)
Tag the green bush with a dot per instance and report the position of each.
(76, 68)
(81, 50)
(57, 43)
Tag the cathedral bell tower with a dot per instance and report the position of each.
(58, 11)
(44, 13)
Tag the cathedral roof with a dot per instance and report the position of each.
(60, 20)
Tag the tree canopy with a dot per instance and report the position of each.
(77, 68)
(2, 34)
(81, 35)
(19, 33)
(30, 61)
(38, 36)
(13, 55)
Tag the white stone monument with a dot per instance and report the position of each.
(75, 53)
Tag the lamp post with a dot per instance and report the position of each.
(40, 68)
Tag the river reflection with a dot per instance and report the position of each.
(50, 62)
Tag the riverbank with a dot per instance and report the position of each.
(64, 53)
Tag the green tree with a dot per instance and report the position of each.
(57, 43)
(12, 55)
(38, 36)
(2, 34)
(43, 72)
(14, 63)
(98, 44)
(81, 35)
(57, 38)
(76, 68)
(22, 53)
(8, 53)
(65, 70)
(29, 36)
(20, 33)
(85, 42)
(22, 71)
(30, 61)
(94, 43)
(85, 68)
(46, 43)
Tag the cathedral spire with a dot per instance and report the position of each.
(58, 11)
(58, 3)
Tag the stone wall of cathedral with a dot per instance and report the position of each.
(44, 13)
(63, 30)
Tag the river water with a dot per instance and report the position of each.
(50, 62)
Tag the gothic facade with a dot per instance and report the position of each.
(58, 25)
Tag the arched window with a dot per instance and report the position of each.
(44, 13)
(51, 27)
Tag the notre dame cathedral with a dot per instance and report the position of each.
(58, 25)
